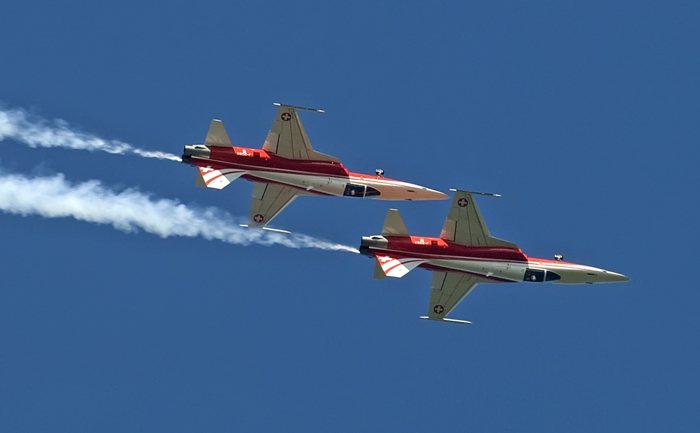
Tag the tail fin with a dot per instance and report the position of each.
(217, 135)
(208, 177)
(378, 271)
(396, 268)
(394, 225)
(199, 180)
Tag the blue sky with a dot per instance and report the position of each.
(583, 115)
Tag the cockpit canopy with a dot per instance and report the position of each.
(540, 276)
(360, 191)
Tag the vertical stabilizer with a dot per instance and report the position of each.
(378, 271)
(394, 225)
(199, 180)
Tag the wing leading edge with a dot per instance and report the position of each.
(269, 199)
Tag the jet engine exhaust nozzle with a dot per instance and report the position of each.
(372, 242)
(197, 151)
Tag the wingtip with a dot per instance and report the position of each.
(488, 194)
(314, 110)
(286, 232)
(445, 319)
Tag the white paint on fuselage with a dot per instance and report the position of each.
(388, 189)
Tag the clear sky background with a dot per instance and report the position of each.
(584, 115)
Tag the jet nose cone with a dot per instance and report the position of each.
(435, 195)
(614, 277)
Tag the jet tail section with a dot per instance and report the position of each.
(394, 225)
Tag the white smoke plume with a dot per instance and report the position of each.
(17, 124)
(130, 210)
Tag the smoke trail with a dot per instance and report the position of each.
(16, 124)
(131, 210)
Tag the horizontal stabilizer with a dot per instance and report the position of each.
(464, 322)
(217, 135)
(397, 268)
(394, 225)
(378, 271)
(199, 180)
(217, 179)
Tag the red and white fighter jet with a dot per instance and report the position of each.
(465, 255)
(286, 167)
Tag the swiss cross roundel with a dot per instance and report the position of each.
(285, 116)
(462, 202)
(258, 218)
(438, 309)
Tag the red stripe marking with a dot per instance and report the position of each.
(323, 164)
(213, 179)
(400, 263)
(392, 268)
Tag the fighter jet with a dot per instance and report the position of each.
(287, 167)
(466, 255)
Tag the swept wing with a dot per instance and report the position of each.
(268, 200)
(465, 225)
(288, 139)
(447, 291)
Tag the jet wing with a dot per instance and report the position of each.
(465, 225)
(288, 139)
(447, 290)
(268, 200)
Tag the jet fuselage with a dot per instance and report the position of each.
(498, 264)
(313, 177)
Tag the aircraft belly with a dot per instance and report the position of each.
(322, 184)
(504, 270)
